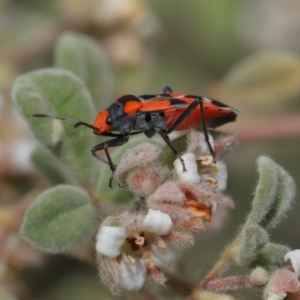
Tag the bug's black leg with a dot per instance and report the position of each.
(166, 139)
(205, 131)
(122, 139)
(183, 116)
(166, 90)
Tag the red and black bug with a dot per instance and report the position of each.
(150, 114)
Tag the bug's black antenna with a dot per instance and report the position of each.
(76, 123)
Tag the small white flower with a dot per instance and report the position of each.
(137, 244)
(213, 173)
(294, 257)
(191, 175)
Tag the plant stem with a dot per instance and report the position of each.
(221, 265)
(229, 283)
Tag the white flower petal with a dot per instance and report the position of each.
(133, 275)
(157, 222)
(191, 175)
(110, 240)
(221, 176)
(163, 257)
(294, 257)
(276, 296)
(203, 147)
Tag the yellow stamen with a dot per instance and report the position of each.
(149, 264)
(140, 241)
(207, 160)
(131, 260)
(146, 254)
(210, 180)
(161, 244)
(213, 182)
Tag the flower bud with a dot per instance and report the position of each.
(140, 169)
(259, 276)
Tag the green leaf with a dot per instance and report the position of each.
(251, 240)
(270, 255)
(265, 192)
(60, 93)
(49, 166)
(286, 192)
(86, 58)
(118, 195)
(59, 219)
(274, 194)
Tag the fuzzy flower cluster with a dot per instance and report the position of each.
(144, 242)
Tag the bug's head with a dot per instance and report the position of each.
(103, 123)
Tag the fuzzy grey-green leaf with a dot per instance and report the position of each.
(251, 240)
(286, 192)
(49, 166)
(60, 93)
(59, 219)
(86, 58)
(271, 254)
(265, 192)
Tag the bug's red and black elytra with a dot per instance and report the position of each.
(150, 114)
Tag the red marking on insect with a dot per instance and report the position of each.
(150, 114)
